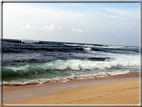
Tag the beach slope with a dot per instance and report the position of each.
(122, 92)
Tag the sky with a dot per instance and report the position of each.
(94, 23)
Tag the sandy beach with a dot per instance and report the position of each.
(126, 92)
(119, 89)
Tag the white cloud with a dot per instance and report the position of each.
(74, 29)
(60, 28)
(78, 30)
(117, 35)
(17, 24)
(40, 28)
(34, 27)
(46, 27)
(28, 25)
(53, 27)
(50, 28)
(37, 28)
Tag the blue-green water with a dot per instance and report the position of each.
(36, 62)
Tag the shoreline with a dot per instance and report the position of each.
(112, 94)
(17, 93)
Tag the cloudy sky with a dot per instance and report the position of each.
(97, 23)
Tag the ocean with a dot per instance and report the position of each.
(29, 62)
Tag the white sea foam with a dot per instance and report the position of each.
(87, 49)
(29, 41)
(105, 46)
(23, 68)
(86, 45)
(120, 61)
(62, 79)
(114, 46)
(71, 44)
(76, 65)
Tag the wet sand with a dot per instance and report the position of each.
(35, 94)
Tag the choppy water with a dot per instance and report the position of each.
(36, 62)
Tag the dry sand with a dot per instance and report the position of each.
(123, 92)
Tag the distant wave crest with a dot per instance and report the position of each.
(29, 41)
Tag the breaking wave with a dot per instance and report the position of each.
(67, 65)
(23, 82)
(29, 41)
